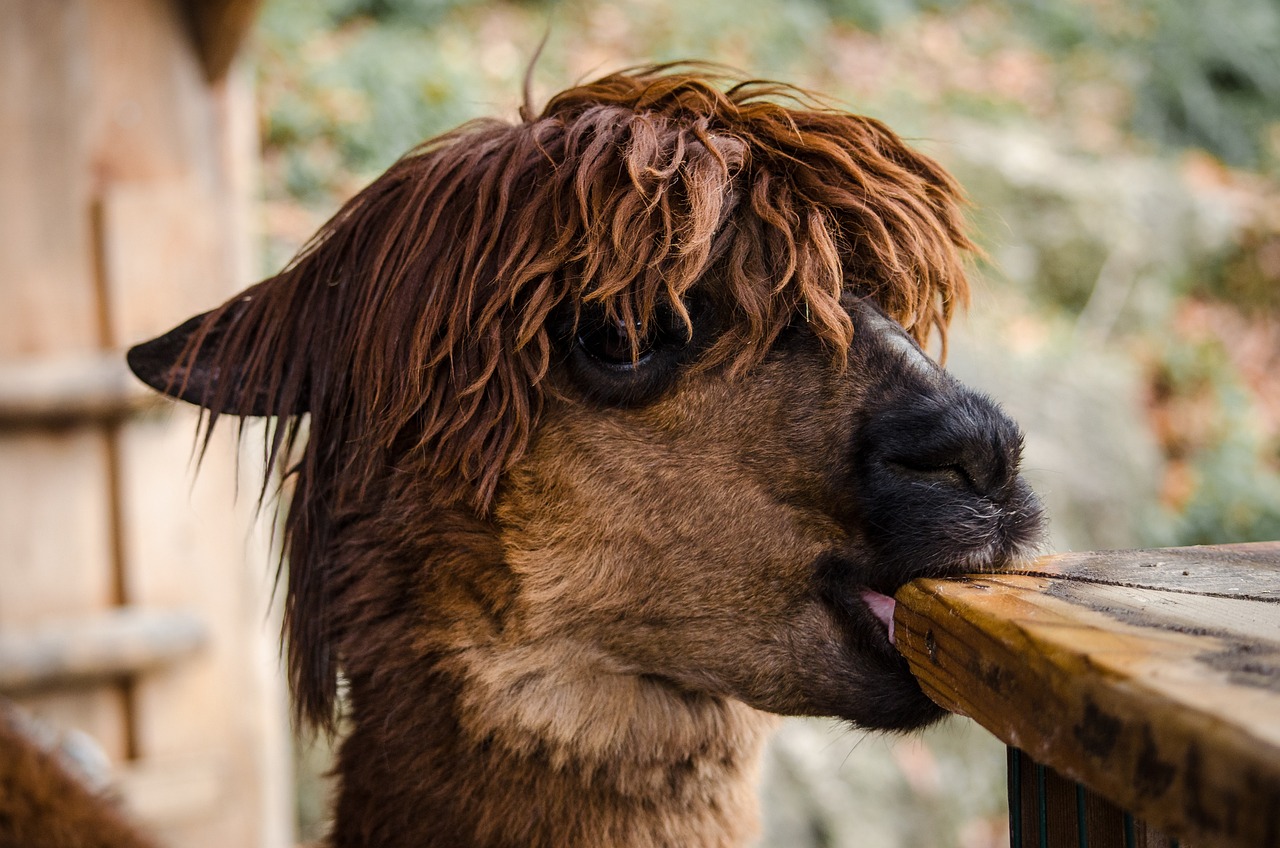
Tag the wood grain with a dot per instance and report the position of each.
(173, 244)
(1164, 700)
(55, 528)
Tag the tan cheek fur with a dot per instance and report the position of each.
(615, 592)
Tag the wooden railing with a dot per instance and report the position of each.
(1139, 691)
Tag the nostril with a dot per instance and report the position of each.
(948, 473)
(959, 442)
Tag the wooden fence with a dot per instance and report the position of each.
(1151, 677)
(132, 603)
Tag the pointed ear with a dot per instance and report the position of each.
(197, 362)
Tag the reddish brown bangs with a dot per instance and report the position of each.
(432, 287)
(798, 202)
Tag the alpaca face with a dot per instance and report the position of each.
(658, 347)
(723, 535)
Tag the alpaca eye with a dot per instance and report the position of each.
(602, 364)
(608, 342)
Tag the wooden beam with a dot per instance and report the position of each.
(93, 648)
(54, 527)
(1115, 671)
(217, 29)
(85, 388)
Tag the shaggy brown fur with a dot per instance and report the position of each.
(43, 806)
(613, 426)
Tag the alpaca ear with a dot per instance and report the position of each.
(199, 362)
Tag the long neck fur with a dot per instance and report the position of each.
(466, 731)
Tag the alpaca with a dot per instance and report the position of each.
(620, 438)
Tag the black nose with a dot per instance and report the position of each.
(938, 487)
(958, 438)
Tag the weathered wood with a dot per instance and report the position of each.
(217, 28)
(52, 482)
(95, 649)
(69, 390)
(1164, 700)
(127, 178)
(173, 231)
(1250, 570)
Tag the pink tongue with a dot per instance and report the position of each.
(882, 607)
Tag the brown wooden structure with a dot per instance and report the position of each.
(133, 602)
(1151, 677)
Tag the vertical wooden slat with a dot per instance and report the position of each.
(174, 246)
(55, 528)
(126, 183)
(1013, 783)
(1061, 811)
(1029, 802)
(1105, 822)
(46, 283)
(1048, 810)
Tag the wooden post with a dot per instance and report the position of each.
(127, 179)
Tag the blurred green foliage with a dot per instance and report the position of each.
(1202, 74)
(1233, 490)
(369, 78)
(352, 84)
(878, 15)
(1213, 79)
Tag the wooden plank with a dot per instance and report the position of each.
(229, 700)
(1164, 701)
(123, 213)
(49, 306)
(150, 115)
(1104, 821)
(176, 793)
(97, 648)
(56, 391)
(1061, 822)
(52, 482)
(1048, 810)
(47, 301)
(1227, 571)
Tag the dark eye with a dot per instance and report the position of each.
(602, 363)
(607, 340)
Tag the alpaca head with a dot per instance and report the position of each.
(660, 346)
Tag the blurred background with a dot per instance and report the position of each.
(1123, 161)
